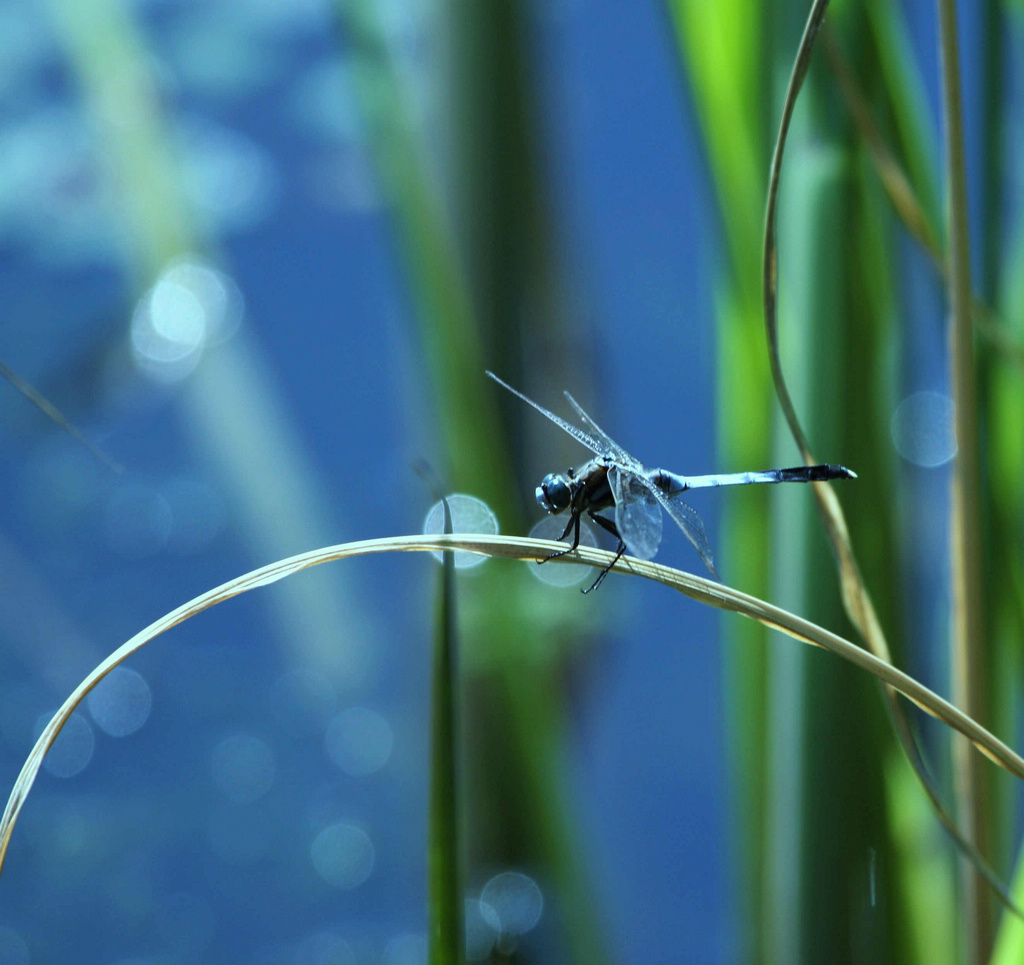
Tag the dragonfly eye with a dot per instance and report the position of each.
(553, 493)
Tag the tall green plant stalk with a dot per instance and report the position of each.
(444, 878)
(1001, 395)
(968, 659)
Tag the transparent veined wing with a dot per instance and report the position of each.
(689, 521)
(578, 434)
(637, 513)
(613, 447)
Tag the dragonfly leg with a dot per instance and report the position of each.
(604, 572)
(606, 524)
(573, 524)
(610, 526)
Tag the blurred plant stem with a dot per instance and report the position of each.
(1001, 398)
(723, 49)
(838, 341)
(112, 66)
(446, 938)
(480, 269)
(968, 657)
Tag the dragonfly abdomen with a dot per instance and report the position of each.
(671, 484)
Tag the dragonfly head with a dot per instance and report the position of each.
(554, 493)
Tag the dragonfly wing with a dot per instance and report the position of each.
(689, 521)
(578, 434)
(637, 514)
(612, 445)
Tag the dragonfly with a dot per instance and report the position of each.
(614, 478)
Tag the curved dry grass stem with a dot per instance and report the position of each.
(696, 587)
(856, 598)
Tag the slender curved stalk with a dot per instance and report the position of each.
(520, 548)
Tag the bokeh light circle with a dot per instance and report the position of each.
(120, 703)
(343, 855)
(483, 926)
(516, 899)
(303, 701)
(13, 949)
(137, 522)
(553, 573)
(923, 429)
(72, 750)
(407, 949)
(469, 515)
(359, 741)
(325, 948)
(192, 305)
(243, 768)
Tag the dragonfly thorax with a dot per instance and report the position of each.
(554, 493)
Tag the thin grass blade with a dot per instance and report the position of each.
(518, 548)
